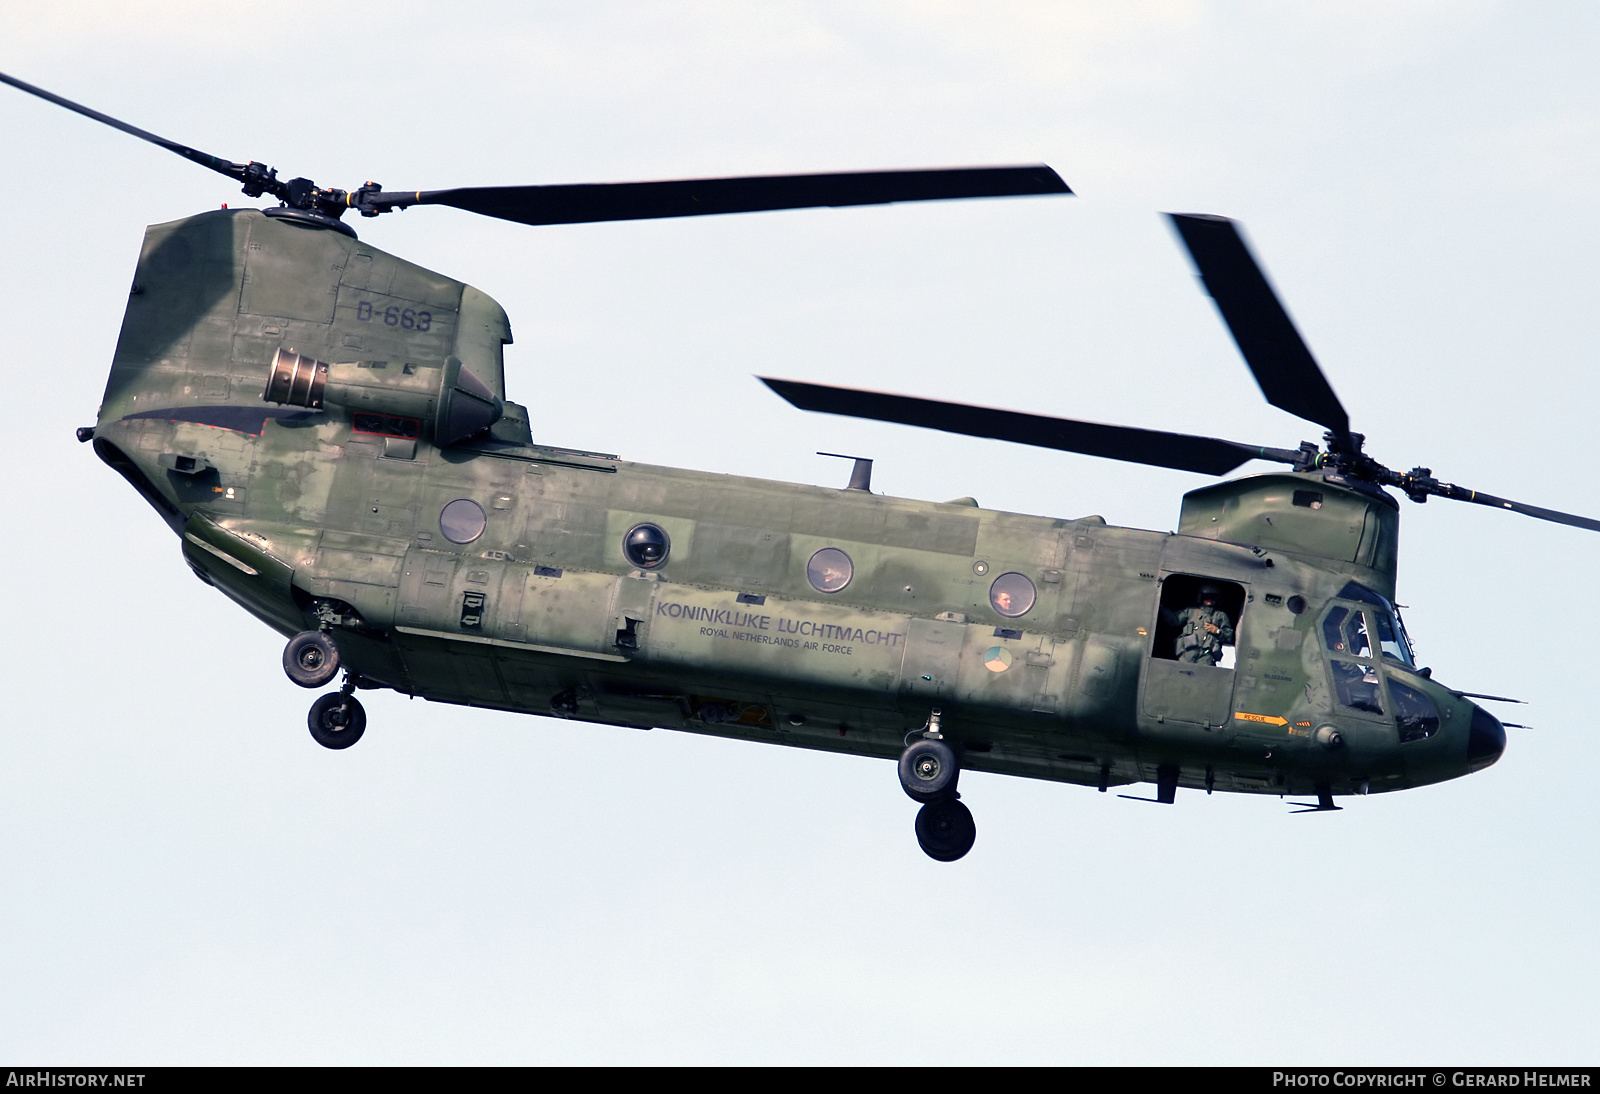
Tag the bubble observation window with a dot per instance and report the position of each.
(829, 570)
(646, 546)
(462, 521)
(1012, 594)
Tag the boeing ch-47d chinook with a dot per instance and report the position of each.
(325, 428)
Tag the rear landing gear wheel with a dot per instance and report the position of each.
(945, 830)
(337, 720)
(311, 659)
(928, 771)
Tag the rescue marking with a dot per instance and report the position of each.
(1269, 719)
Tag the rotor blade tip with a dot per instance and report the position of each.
(777, 387)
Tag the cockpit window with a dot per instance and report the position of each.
(1349, 630)
(1392, 639)
(1345, 631)
(1332, 632)
(1357, 686)
(1355, 635)
(1414, 713)
(1358, 592)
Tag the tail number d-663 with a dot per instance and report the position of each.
(396, 316)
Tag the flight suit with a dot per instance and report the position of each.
(1198, 645)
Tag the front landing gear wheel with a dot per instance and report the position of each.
(945, 830)
(928, 771)
(311, 659)
(337, 720)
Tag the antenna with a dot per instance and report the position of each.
(860, 474)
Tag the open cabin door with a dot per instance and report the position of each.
(1187, 672)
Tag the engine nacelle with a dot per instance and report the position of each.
(448, 398)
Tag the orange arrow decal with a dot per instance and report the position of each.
(1269, 719)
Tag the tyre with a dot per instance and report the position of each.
(928, 771)
(337, 720)
(945, 830)
(311, 659)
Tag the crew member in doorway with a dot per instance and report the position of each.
(1204, 629)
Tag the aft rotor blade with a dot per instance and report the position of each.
(1461, 493)
(204, 159)
(590, 202)
(1266, 336)
(1207, 455)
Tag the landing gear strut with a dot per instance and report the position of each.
(337, 719)
(929, 770)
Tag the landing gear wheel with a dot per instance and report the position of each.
(928, 771)
(311, 659)
(945, 830)
(337, 720)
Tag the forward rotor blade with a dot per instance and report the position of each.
(1284, 368)
(1207, 455)
(1461, 493)
(204, 159)
(590, 202)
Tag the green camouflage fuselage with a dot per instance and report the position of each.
(300, 516)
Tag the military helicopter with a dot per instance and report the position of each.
(326, 428)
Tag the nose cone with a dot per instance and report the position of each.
(1485, 741)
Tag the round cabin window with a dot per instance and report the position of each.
(462, 521)
(646, 546)
(829, 570)
(1012, 594)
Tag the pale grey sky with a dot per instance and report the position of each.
(185, 877)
